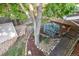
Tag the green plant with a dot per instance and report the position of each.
(45, 39)
(59, 9)
(13, 11)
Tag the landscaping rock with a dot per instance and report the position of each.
(20, 30)
(8, 36)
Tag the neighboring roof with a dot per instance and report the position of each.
(72, 17)
(7, 32)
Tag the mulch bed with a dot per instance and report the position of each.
(76, 50)
(33, 49)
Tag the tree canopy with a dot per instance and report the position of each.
(59, 9)
(15, 11)
(35, 12)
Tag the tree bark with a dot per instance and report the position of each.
(38, 24)
(36, 21)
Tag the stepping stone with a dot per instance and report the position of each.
(7, 32)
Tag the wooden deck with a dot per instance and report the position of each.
(66, 45)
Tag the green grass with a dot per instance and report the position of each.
(15, 51)
(44, 21)
(18, 49)
(45, 39)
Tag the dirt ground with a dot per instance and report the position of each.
(76, 50)
(32, 50)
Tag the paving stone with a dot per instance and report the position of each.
(7, 32)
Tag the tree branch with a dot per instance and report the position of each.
(31, 11)
(23, 8)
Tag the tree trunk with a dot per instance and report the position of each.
(38, 24)
(36, 21)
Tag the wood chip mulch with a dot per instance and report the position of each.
(32, 50)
